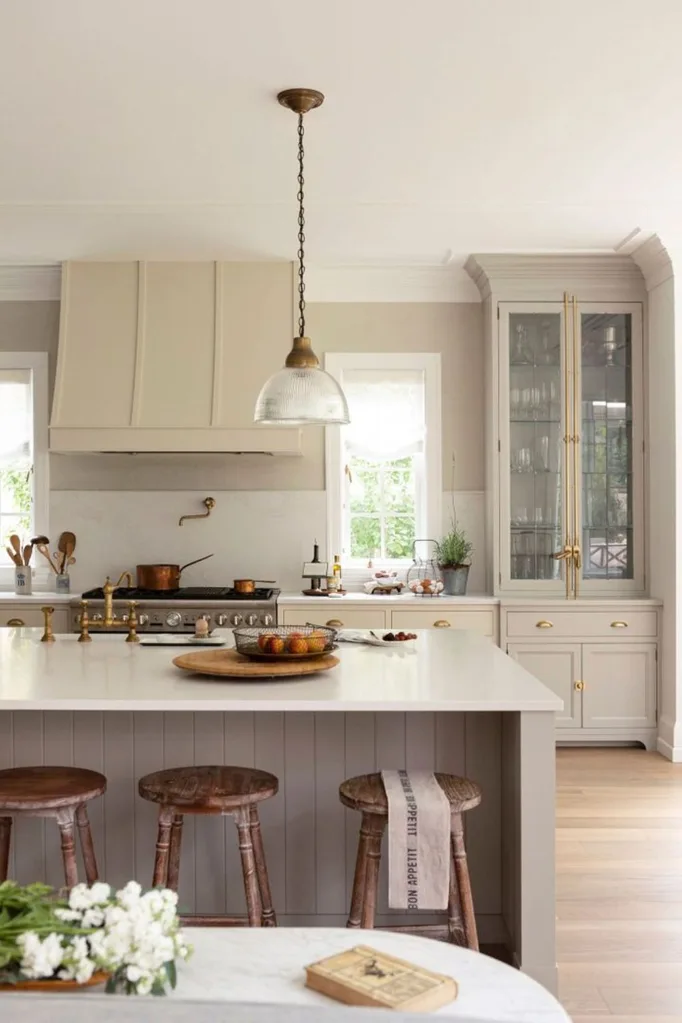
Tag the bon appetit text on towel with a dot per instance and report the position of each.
(418, 841)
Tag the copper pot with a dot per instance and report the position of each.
(249, 585)
(163, 577)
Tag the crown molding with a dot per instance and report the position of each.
(30, 283)
(328, 283)
(547, 276)
(654, 261)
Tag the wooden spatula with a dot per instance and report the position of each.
(66, 546)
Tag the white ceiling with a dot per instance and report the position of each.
(149, 128)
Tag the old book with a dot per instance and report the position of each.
(365, 976)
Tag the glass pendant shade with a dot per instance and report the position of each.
(301, 396)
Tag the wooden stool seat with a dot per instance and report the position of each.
(214, 789)
(57, 792)
(208, 789)
(366, 794)
(48, 788)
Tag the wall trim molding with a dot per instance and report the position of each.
(672, 753)
(30, 283)
(546, 274)
(654, 261)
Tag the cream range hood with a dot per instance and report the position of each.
(170, 357)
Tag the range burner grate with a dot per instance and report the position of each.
(184, 593)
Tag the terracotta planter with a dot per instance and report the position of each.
(455, 580)
(55, 986)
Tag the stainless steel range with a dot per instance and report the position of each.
(178, 610)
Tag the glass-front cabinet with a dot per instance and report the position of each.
(570, 447)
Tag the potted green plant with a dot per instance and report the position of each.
(454, 552)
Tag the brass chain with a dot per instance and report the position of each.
(301, 232)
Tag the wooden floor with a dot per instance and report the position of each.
(619, 885)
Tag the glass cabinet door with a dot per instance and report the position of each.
(533, 379)
(609, 415)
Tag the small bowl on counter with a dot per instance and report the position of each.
(285, 642)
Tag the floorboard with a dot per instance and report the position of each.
(619, 885)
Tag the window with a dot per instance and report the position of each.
(384, 468)
(23, 448)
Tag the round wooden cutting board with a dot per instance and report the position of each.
(230, 664)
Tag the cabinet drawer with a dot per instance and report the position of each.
(582, 624)
(476, 621)
(339, 617)
(33, 616)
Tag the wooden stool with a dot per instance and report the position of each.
(59, 792)
(366, 793)
(235, 791)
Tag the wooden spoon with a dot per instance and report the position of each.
(66, 545)
(14, 556)
(42, 549)
(16, 544)
(28, 551)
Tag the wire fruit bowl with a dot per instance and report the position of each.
(285, 642)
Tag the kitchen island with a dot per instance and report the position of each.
(454, 702)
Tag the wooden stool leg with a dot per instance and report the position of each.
(369, 904)
(269, 918)
(360, 877)
(159, 879)
(87, 847)
(5, 832)
(253, 903)
(174, 853)
(65, 823)
(463, 883)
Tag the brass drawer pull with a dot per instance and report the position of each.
(619, 625)
(579, 686)
(335, 623)
(544, 624)
(441, 624)
(16, 623)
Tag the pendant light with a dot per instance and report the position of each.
(301, 393)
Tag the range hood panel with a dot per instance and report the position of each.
(159, 357)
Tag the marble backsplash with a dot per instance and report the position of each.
(261, 534)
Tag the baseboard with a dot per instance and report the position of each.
(672, 753)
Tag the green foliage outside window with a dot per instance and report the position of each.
(18, 483)
(382, 508)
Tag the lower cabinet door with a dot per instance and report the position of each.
(476, 621)
(558, 667)
(620, 685)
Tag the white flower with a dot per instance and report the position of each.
(93, 917)
(100, 893)
(80, 897)
(130, 895)
(133, 974)
(67, 915)
(144, 986)
(40, 958)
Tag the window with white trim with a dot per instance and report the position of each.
(23, 449)
(384, 468)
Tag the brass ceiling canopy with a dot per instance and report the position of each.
(301, 101)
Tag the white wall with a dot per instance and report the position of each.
(263, 534)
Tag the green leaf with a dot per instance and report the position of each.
(172, 973)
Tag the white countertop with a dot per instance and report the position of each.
(444, 670)
(388, 598)
(39, 597)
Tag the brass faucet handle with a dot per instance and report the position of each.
(132, 636)
(85, 636)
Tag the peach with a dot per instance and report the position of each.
(298, 645)
(315, 644)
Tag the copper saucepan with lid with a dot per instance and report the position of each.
(163, 577)
(246, 586)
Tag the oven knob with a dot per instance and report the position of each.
(236, 620)
(143, 619)
(268, 620)
(124, 618)
(252, 619)
(173, 619)
(97, 617)
(221, 620)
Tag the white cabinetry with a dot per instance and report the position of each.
(29, 615)
(384, 614)
(606, 675)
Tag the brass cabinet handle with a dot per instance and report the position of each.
(579, 686)
(335, 623)
(544, 624)
(441, 624)
(619, 625)
(16, 623)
